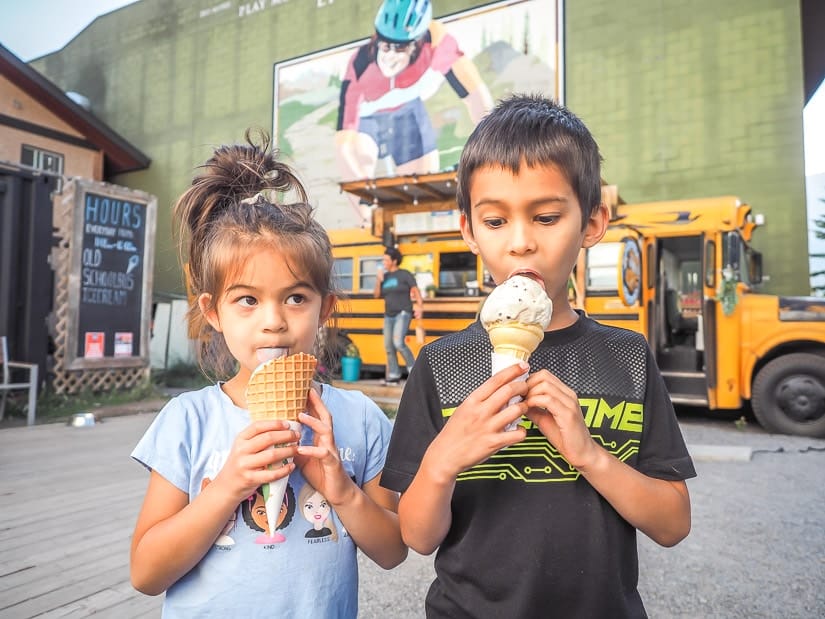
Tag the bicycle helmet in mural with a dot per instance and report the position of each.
(402, 21)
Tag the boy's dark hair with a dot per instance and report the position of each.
(394, 254)
(536, 131)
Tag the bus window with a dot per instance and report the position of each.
(603, 266)
(689, 288)
(456, 272)
(368, 268)
(710, 264)
(342, 273)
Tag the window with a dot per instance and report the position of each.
(603, 266)
(455, 271)
(368, 268)
(710, 264)
(342, 273)
(737, 255)
(43, 160)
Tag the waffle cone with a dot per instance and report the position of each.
(516, 339)
(278, 388)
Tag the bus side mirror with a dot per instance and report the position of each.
(755, 268)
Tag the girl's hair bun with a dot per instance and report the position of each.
(233, 174)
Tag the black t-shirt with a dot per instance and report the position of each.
(396, 291)
(529, 536)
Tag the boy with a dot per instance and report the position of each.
(539, 521)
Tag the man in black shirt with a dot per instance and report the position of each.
(399, 290)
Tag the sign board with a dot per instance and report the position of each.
(110, 281)
(427, 222)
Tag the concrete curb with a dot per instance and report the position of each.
(720, 453)
(382, 395)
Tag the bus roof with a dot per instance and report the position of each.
(352, 236)
(684, 216)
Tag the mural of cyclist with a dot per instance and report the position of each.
(381, 113)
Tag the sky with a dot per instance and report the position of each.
(32, 28)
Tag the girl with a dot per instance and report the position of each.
(261, 272)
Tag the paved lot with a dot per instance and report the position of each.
(69, 497)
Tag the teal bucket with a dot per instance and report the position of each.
(350, 369)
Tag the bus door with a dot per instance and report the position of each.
(679, 342)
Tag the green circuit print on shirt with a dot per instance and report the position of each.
(617, 427)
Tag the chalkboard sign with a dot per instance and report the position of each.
(110, 281)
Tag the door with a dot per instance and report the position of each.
(679, 343)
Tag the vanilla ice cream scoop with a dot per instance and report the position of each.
(519, 299)
(515, 316)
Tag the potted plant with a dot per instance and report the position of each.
(430, 291)
(351, 363)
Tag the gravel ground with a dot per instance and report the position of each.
(756, 550)
(757, 547)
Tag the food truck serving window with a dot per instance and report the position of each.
(457, 271)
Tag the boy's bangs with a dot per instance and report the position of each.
(511, 149)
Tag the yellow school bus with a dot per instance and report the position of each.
(684, 274)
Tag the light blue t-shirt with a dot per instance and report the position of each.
(308, 567)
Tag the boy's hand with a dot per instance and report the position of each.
(555, 410)
(475, 430)
(246, 469)
(320, 462)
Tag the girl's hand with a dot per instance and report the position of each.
(475, 430)
(556, 411)
(246, 469)
(320, 462)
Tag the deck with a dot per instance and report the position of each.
(69, 501)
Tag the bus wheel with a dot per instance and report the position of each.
(789, 395)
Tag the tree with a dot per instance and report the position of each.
(819, 232)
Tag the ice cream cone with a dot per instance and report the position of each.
(278, 389)
(517, 340)
(515, 316)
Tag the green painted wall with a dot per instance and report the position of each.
(702, 98)
(686, 99)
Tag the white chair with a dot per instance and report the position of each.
(7, 385)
